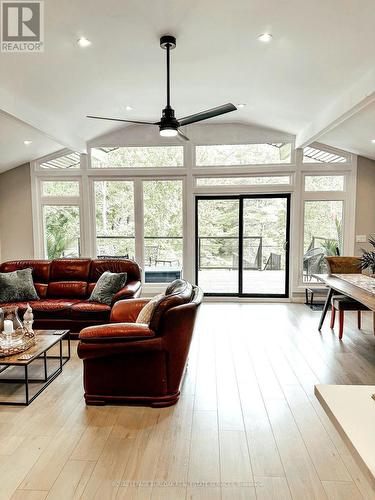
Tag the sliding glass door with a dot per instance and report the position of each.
(242, 245)
(218, 245)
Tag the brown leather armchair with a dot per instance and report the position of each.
(137, 363)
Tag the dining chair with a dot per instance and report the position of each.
(342, 303)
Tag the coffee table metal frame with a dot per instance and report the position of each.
(47, 378)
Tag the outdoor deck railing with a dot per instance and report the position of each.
(254, 251)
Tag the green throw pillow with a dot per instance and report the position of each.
(17, 286)
(107, 286)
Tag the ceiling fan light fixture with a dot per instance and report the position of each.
(83, 42)
(168, 132)
(265, 37)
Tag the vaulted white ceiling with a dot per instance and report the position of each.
(312, 80)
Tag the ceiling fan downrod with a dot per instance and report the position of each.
(168, 123)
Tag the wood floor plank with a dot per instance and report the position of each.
(204, 492)
(265, 458)
(205, 392)
(272, 488)
(337, 490)
(322, 451)
(13, 468)
(72, 480)
(92, 441)
(29, 495)
(204, 464)
(50, 463)
(301, 475)
(228, 400)
(105, 478)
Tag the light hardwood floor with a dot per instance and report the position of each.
(247, 426)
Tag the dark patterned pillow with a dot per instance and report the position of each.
(17, 286)
(107, 286)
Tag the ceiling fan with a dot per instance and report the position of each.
(168, 124)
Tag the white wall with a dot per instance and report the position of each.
(365, 205)
(16, 223)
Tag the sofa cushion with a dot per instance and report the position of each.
(107, 286)
(53, 308)
(67, 289)
(41, 289)
(90, 310)
(145, 314)
(17, 286)
(12, 305)
(70, 269)
(99, 266)
(41, 268)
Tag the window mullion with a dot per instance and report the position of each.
(139, 224)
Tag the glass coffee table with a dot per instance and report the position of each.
(36, 355)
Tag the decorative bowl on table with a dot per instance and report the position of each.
(14, 337)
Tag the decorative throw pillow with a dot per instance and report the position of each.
(17, 286)
(147, 311)
(107, 286)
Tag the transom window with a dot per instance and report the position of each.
(316, 155)
(64, 162)
(324, 182)
(243, 181)
(60, 188)
(243, 154)
(137, 157)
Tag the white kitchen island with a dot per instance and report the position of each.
(352, 411)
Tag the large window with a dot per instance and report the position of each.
(163, 230)
(136, 199)
(323, 235)
(137, 157)
(61, 226)
(114, 215)
(61, 218)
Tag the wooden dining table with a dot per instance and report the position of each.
(359, 287)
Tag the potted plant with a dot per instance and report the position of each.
(368, 257)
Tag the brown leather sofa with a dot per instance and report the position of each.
(64, 286)
(136, 363)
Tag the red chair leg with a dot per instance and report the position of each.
(341, 324)
(359, 319)
(333, 318)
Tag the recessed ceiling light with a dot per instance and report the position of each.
(373, 141)
(83, 42)
(128, 108)
(27, 142)
(241, 105)
(265, 37)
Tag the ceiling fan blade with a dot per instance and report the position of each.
(119, 120)
(182, 136)
(209, 113)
